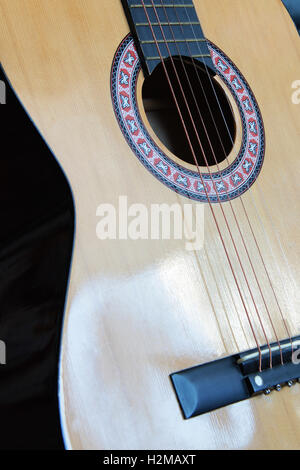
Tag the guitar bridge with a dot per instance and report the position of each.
(209, 386)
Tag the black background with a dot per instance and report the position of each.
(36, 235)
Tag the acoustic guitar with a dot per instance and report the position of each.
(177, 124)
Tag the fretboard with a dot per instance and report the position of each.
(171, 27)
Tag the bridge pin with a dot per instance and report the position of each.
(290, 383)
(267, 391)
(278, 387)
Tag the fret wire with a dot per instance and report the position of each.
(161, 6)
(175, 23)
(195, 56)
(147, 43)
(173, 41)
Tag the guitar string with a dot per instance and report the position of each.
(232, 239)
(222, 301)
(228, 199)
(277, 236)
(241, 199)
(243, 271)
(220, 174)
(197, 165)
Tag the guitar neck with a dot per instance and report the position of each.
(162, 28)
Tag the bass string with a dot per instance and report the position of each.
(197, 165)
(235, 218)
(243, 271)
(240, 198)
(221, 299)
(227, 194)
(233, 302)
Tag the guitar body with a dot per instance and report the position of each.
(139, 310)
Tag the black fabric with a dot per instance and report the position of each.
(37, 223)
(293, 7)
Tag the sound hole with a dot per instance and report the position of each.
(211, 101)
